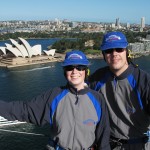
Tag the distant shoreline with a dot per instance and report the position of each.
(20, 62)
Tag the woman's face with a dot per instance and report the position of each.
(76, 76)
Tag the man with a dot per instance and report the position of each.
(77, 114)
(126, 89)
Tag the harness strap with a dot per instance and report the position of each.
(129, 141)
(54, 144)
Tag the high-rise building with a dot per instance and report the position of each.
(142, 22)
(128, 25)
(117, 23)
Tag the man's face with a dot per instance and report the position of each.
(116, 59)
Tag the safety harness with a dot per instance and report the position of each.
(54, 144)
(114, 142)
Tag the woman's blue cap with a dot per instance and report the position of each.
(114, 40)
(75, 57)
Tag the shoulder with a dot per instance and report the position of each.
(141, 74)
(98, 74)
(102, 70)
(142, 79)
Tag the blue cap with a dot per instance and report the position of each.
(75, 57)
(114, 40)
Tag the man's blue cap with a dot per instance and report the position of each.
(114, 40)
(75, 57)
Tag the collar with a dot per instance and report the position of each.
(128, 71)
(74, 90)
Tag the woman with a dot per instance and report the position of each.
(77, 114)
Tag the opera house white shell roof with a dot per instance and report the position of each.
(50, 52)
(22, 48)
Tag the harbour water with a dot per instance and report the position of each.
(27, 82)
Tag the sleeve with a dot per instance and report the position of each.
(103, 129)
(35, 111)
(147, 98)
(143, 86)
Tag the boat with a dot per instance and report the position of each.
(5, 122)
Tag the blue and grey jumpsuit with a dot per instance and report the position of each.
(79, 119)
(128, 100)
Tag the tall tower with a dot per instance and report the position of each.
(117, 23)
(142, 22)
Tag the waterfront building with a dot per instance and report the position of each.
(136, 47)
(22, 48)
(21, 53)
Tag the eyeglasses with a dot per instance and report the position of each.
(118, 50)
(79, 68)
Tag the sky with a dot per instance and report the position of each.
(130, 11)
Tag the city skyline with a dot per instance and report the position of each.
(79, 10)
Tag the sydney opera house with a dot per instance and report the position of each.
(21, 52)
